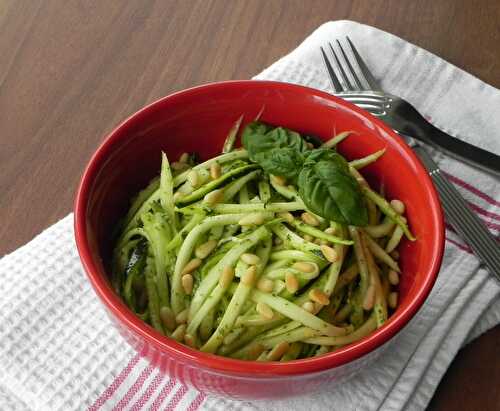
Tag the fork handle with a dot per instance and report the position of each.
(418, 127)
(462, 218)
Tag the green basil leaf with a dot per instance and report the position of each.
(325, 154)
(285, 162)
(259, 137)
(328, 189)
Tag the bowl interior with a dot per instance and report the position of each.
(197, 120)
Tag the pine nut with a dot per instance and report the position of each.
(248, 277)
(305, 267)
(318, 241)
(369, 299)
(178, 166)
(168, 318)
(394, 254)
(277, 241)
(215, 171)
(187, 283)
(177, 196)
(309, 219)
(279, 180)
(319, 296)
(265, 285)
(392, 300)
(250, 259)
(178, 334)
(308, 237)
(308, 306)
(203, 250)
(182, 317)
(265, 311)
(393, 277)
(252, 219)
(317, 308)
(214, 197)
(330, 230)
(184, 158)
(278, 351)
(291, 283)
(287, 216)
(398, 206)
(329, 253)
(310, 145)
(226, 277)
(194, 178)
(191, 266)
(190, 340)
(255, 350)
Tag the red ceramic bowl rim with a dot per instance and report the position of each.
(227, 365)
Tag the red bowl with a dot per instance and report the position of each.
(197, 120)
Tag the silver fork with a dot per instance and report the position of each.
(364, 91)
(355, 83)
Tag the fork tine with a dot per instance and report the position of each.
(333, 77)
(351, 69)
(346, 83)
(363, 68)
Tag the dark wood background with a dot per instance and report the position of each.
(71, 70)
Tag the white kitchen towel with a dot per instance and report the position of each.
(59, 351)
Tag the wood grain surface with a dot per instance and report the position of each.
(71, 70)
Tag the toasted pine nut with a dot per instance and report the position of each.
(286, 215)
(215, 171)
(330, 230)
(329, 253)
(319, 296)
(184, 158)
(394, 254)
(310, 145)
(278, 351)
(248, 277)
(323, 242)
(250, 259)
(191, 266)
(305, 267)
(398, 206)
(308, 237)
(214, 197)
(265, 285)
(168, 318)
(182, 317)
(177, 196)
(318, 241)
(194, 178)
(393, 277)
(279, 180)
(252, 219)
(277, 241)
(309, 219)
(404, 220)
(178, 166)
(317, 308)
(189, 340)
(187, 283)
(179, 332)
(291, 283)
(255, 350)
(369, 299)
(203, 250)
(392, 299)
(226, 277)
(308, 306)
(264, 310)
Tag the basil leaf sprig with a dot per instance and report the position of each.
(322, 175)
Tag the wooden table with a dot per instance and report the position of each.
(71, 70)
